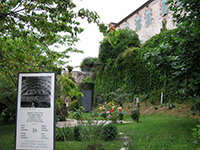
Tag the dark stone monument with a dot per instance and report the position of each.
(86, 101)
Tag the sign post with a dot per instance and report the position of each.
(35, 118)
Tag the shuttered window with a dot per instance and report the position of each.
(164, 7)
(148, 17)
(126, 27)
(138, 23)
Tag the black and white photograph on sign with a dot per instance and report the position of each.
(36, 92)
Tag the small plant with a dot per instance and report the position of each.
(110, 132)
(95, 114)
(196, 135)
(73, 105)
(95, 147)
(78, 114)
(103, 112)
(121, 113)
(112, 112)
(135, 113)
(77, 133)
(119, 96)
(155, 107)
(196, 106)
(89, 131)
(63, 134)
(170, 105)
(113, 115)
(61, 112)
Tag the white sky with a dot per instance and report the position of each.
(109, 11)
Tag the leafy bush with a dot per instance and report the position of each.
(61, 112)
(95, 114)
(78, 114)
(170, 105)
(92, 130)
(110, 132)
(196, 135)
(95, 147)
(135, 113)
(112, 112)
(77, 133)
(73, 105)
(196, 106)
(8, 113)
(64, 134)
(119, 96)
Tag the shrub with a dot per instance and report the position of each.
(73, 105)
(109, 132)
(92, 130)
(95, 114)
(196, 135)
(61, 112)
(170, 105)
(78, 114)
(77, 133)
(95, 147)
(135, 113)
(196, 106)
(112, 112)
(63, 134)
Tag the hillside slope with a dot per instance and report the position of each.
(148, 108)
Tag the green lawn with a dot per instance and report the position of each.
(7, 136)
(153, 132)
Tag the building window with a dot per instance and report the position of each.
(126, 27)
(148, 17)
(138, 23)
(164, 7)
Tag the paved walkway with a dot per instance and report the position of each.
(72, 122)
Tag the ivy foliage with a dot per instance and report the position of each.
(167, 62)
(121, 66)
(140, 71)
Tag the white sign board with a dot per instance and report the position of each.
(35, 120)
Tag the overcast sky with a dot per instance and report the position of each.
(109, 11)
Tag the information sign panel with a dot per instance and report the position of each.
(35, 120)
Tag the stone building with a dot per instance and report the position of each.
(148, 19)
(79, 76)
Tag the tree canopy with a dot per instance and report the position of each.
(125, 39)
(28, 29)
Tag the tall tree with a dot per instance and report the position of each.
(28, 28)
(125, 39)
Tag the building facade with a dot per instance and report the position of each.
(148, 19)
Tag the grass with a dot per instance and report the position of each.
(153, 132)
(75, 145)
(161, 132)
(7, 136)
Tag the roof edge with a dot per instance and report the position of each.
(134, 12)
